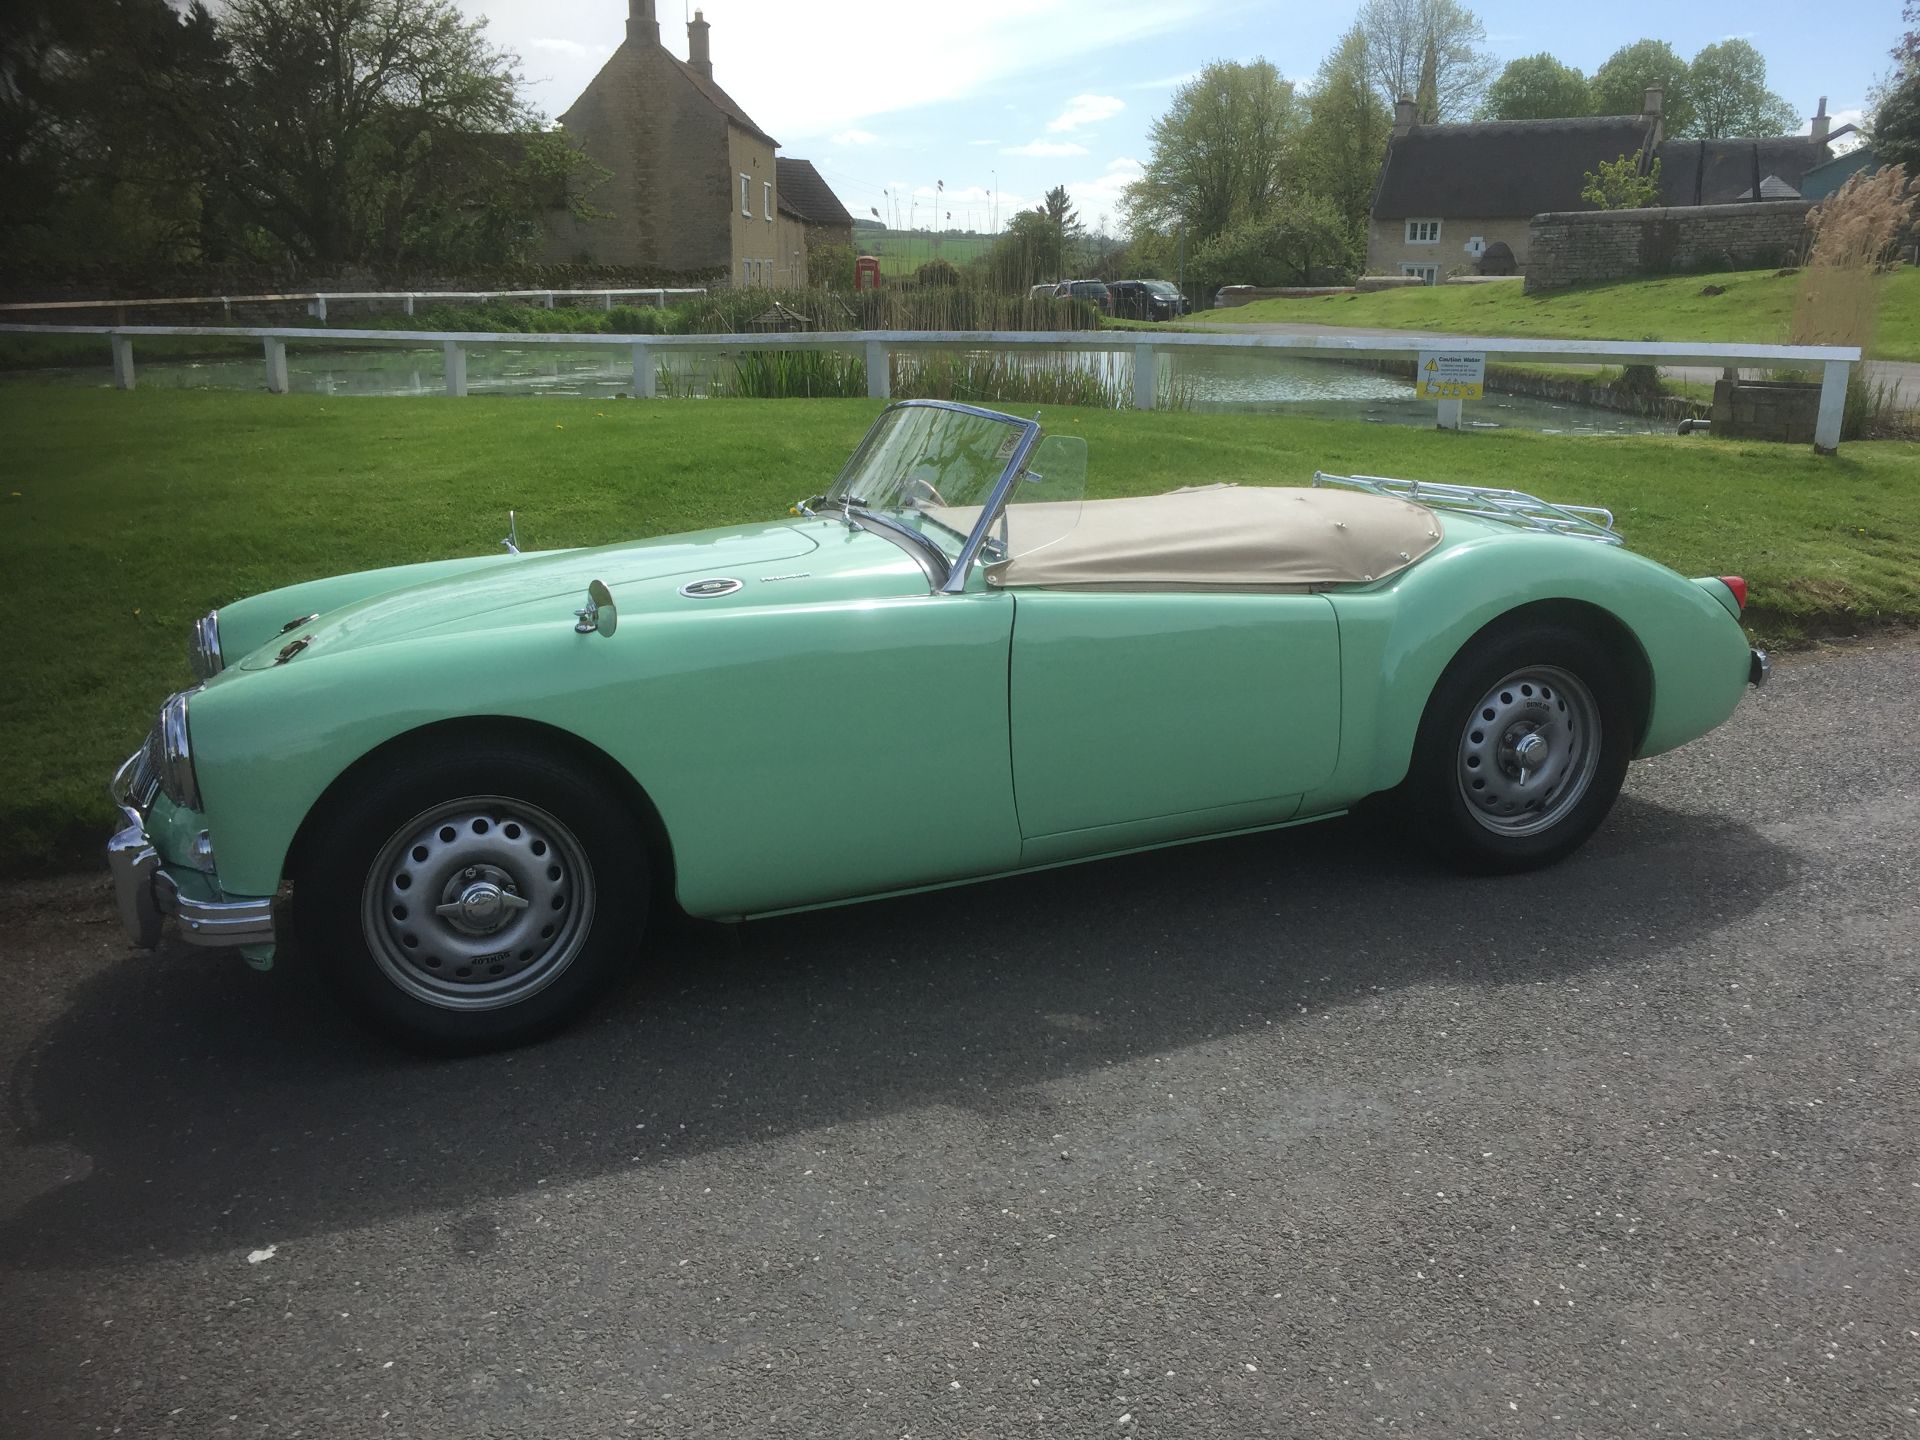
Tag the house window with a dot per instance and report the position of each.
(1423, 232)
(1430, 274)
(766, 197)
(746, 196)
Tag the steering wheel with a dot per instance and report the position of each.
(927, 485)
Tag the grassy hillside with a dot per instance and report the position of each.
(125, 516)
(902, 252)
(1755, 305)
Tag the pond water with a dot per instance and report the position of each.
(1212, 380)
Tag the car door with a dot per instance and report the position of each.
(1138, 717)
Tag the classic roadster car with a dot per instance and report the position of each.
(459, 787)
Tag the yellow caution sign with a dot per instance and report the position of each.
(1451, 375)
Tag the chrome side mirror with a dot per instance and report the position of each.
(600, 613)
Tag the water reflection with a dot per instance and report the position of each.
(1209, 379)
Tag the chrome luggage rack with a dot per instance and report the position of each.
(1514, 507)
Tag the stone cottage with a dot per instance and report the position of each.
(1457, 199)
(693, 184)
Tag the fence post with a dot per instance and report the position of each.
(644, 387)
(1449, 418)
(1833, 407)
(456, 368)
(606, 299)
(320, 308)
(409, 303)
(1146, 376)
(122, 361)
(549, 300)
(276, 365)
(879, 377)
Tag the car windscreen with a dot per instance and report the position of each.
(940, 469)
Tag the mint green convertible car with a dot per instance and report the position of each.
(460, 787)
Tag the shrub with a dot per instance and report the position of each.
(937, 272)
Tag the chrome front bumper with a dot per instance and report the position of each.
(147, 895)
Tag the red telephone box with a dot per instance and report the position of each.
(866, 272)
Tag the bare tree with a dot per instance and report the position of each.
(1404, 37)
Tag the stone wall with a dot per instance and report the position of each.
(1584, 247)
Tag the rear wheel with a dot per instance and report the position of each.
(1523, 747)
(474, 900)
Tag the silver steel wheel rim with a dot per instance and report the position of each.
(477, 904)
(1529, 751)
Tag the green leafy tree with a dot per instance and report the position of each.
(1538, 87)
(1435, 47)
(356, 130)
(1896, 126)
(1223, 151)
(1029, 252)
(1286, 247)
(103, 115)
(1619, 185)
(1620, 85)
(1728, 86)
(1345, 134)
(830, 267)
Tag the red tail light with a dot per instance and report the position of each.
(1739, 589)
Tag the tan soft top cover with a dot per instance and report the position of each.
(1214, 536)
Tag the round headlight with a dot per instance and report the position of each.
(176, 753)
(203, 646)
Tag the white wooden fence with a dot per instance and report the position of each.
(1833, 362)
(316, 300)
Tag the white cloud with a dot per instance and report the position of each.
(1084, 110)
(1045, 149)
(983, 142)
(770, 53)
(1103, 192)
(855, 137)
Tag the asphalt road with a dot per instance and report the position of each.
(1293, 1135)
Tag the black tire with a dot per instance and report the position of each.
(509, 838)
(1472, 716)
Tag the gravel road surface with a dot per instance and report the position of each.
(1293, 1135)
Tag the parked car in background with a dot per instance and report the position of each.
(460, 786)
(1146, 300)
(1094, 290)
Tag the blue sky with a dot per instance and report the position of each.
(1001, 99)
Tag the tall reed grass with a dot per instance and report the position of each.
(1854, 236)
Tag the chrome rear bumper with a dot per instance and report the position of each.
(1759, 668)
(147, 895)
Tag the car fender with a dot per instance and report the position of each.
(1398, 637)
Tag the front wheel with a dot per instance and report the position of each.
(473, 900)
(1522, 749)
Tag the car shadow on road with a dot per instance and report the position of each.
(217, 1106)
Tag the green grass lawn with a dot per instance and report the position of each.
(1757, 306)
(125, 516)
(903, 252)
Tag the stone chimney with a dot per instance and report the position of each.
(1403, 113)
(643, 26)
(1652, 102)
(699, 56)
(1820, 123)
